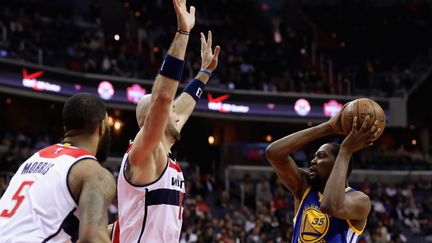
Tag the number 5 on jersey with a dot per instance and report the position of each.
(18, 198)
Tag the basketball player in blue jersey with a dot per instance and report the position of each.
(151, 183)
(326, 208)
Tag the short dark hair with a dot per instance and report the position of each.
(83, 112)
(334, 149)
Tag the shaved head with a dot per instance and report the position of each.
(142, 109)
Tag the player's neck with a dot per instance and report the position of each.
(167, 142)
(86, 142)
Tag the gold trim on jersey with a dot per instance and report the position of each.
(301, 202)
(359, 232)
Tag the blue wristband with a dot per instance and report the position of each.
(206, 72)
(172, 68)
(195, 89)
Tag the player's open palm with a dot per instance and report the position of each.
(361, 138)
(185, 18)
(209, 58)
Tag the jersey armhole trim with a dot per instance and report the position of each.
(301, 202)
(67, 176)
(143, 185)
(357, 231)
(58, 231)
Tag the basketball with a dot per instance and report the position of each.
(362, 108)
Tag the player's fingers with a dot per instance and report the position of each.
(209, 39)
(354, 125)
(176, 5)
(364, 125)
(216, 51)
(377, 133)
(192, 10)
(203, 41)
(374, 127)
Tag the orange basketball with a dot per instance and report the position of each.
(362, 108)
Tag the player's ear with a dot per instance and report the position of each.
(101, 128)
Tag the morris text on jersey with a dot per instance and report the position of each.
(37, 167)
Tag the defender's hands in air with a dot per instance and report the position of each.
(208, 58)
(361, 138)
(335, 122)
(185, 19)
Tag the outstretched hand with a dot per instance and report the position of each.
(209, 59)
(361, 138)
(185, 19)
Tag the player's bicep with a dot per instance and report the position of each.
(97, 191)
(291, 176)
(152, 131)
(357, 206)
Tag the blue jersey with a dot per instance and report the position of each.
(313, 226)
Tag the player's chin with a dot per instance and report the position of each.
(312, 175)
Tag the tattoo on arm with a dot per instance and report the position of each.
(96, 194)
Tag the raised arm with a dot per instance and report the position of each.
(185, 103)
(335, 202)
(278, 153)
(93, 187)
(164, 90)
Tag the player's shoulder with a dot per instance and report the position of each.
(89, 165)
(90, 170)
(357, 195)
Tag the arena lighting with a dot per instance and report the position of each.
(135, 92)
(211, 140)
(414, 142)
(117, 37)
(117, 125)
(268, 138)
(302, 107)
(110, 121)
(331, 108)
(105, 90)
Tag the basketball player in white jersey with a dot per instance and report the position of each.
(151, 183)
(61, 193)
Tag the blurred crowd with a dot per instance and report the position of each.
(259, 209)
(261, 51)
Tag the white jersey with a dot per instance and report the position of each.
(37, 205)
(153, 212)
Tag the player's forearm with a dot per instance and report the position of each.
(185, 103)
(99, 236)
(285, 146)
(334, 191)
(178, 46)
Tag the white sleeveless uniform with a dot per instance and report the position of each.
(153, 212)
(37, 205)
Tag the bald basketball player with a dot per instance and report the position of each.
(326, 208)
(151, 183)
